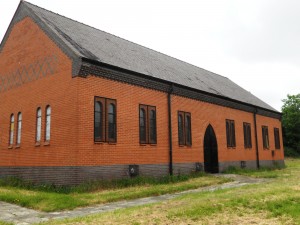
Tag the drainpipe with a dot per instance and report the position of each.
(170, 131)
(256, 142)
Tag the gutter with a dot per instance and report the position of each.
(170, 130)
(256, 142)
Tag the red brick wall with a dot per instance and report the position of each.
(72, 125)
(28, 45)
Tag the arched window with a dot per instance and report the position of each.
(180, 129)
(152, 127)
(112, 131)
(105, 116)
(48, 123)
(184, 128)
(19, 129)
(11, 129)
(98, 121)
(143, 133)
(38, 125)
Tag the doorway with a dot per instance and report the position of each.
(211, 163)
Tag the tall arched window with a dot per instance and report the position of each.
(112, 123)
(143, 133)
(48, 123)
(11, 129)
(19, 129)
(180, 129)
(152, 127)
(98, 121)
(184, 128)
(38, 125)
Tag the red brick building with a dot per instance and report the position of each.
(81, 104)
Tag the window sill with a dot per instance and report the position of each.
(47, 143)
(112, 143)
(10, 147)
(37, 144)
(17, 146)
(99, 142)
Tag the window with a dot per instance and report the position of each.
(277, 138)
(147, 124)
(19, 128)
(48, 123)
(105, 120)
(11, 129)
(247, 135)
(230, 133)
(184, 128)
(38, 125)
(265, 136)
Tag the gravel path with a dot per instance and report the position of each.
(23, 216)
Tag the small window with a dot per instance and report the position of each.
(48, 123)
(277, 138)
(247, 135)
(230, 133)
(19, 128)
(265, 136)
(105, 120)
(38, 125)
(11, 129)
(147, 124)
(184, 128)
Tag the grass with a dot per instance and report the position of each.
(49, 198)
(5, 223)
(274, 202)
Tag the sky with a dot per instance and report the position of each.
(254, 43)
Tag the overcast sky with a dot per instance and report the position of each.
(254, 43)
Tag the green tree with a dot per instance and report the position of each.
(291, 121)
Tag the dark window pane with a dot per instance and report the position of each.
(228, 133)
(180, 130)
(142, 125)
(112, 122)
(232, 134)
(98, 124)
(152, 126)
(188, 130)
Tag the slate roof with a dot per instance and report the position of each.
(94, 44)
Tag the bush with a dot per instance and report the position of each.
(291, 152)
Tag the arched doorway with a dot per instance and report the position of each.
(211, 163)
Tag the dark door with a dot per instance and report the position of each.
(211, 163)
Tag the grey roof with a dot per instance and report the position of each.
(98, 45)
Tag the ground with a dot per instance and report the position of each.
(275, 201)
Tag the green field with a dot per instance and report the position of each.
(274, 202)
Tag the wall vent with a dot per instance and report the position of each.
(243, 164)
(133, 170)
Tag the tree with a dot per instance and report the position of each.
(291, 121)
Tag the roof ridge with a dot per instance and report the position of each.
(123, 39)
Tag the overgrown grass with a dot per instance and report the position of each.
(274, 202)
(51, 198)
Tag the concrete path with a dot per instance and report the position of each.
(23, 216)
